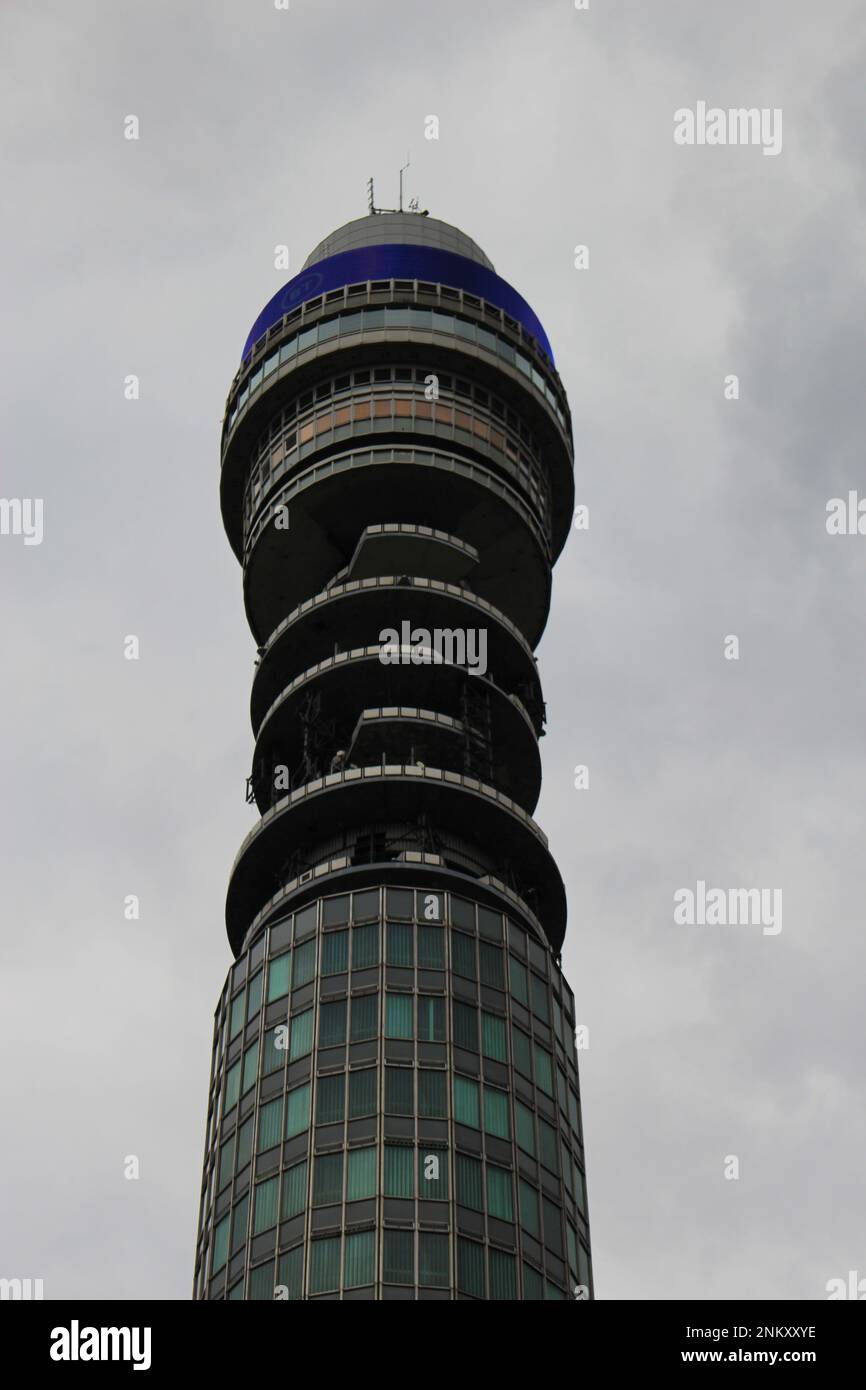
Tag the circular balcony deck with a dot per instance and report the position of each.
(357, 681)
(362, 796)
(355, 612)
(330, 504)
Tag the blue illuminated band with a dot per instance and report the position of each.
(398, 262)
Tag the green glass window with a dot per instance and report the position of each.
(329, 1099)
(571, 1243)
(365, 1017)
(562, 1091)
(468, 1182)
(335, 952)
(332, 1023)
(398, 1016)
(543, 1070)
(298, 1110)
(301, 1040)
(433, 1174)
(525, 1128)
(328, 1179)
(365, 946)
(493, 1043)
(362, 1093)
(236, 1019)
(398, 1176)
(329, 329)
(361, 1173)
(549, 1147)
(565, 1166)
(274, 1048)
(431, 1018)
(262, 1282)
(399, 948)
(432, 1095)
(552, 1226)
(492, 969)
(360, 1259)
(582, 1264)
(365, 905)
(398, 1257)
(325, 1265)
(580, 1183)
(245, 1144)
(503, 1275)
(399, 1091)
(462, 913)
(466, 1102)
(443, 323)
(557, 1019)
(335, 910)
(305, 963)
(227, 1158)
(270, 1124)
(305, 921)
(233, 1086)
(533, 1285)
(239, 1223)
(431, 948)
(470, 1267)
(294, 1190)
(540, 1001)
(465, 1018)
(529, 1209)
(399, 902)
(496, 1120)
(254, 995)
(519, 981)
(251, 1067)
(521, 1046)
(291, 1273)
(265, 1211)
(463, 954)
(433, 1260)
(499, 1193)
(220, 1245)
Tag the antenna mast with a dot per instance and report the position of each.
(413, 202)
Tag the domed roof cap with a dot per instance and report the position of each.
(398, 228)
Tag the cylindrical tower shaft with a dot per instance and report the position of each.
(394, 1098)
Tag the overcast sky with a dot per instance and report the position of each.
(707, 518)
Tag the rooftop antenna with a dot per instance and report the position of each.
(413, 202)
(402, 171)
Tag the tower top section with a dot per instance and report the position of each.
(398, 229)
(397, 250)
